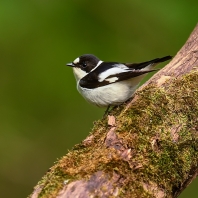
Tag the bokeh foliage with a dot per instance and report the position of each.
(42, 114)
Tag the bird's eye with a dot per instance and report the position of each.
(84, 64)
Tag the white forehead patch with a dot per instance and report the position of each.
(76, 61)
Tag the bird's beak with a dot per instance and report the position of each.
(70, 64)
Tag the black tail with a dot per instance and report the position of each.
(160, 60)
(147, 63)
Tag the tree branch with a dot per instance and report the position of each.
(146, 148)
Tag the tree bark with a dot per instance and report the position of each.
(147, 147)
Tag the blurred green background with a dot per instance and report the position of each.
(42, 114)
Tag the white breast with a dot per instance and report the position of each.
(113, 94)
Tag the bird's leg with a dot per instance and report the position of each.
(114, 107)
(107, 110)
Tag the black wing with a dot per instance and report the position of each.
(90, 81)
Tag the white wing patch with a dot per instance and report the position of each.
(111, 80)
(120, 68)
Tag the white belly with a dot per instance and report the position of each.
(113, 94)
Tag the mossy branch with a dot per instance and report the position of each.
(146, 148)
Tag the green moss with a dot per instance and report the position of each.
(53, 181)
(159, 128)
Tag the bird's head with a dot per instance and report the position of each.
(83, 65)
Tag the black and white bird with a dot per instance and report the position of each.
(106, 84)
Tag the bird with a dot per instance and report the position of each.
(107, 84)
